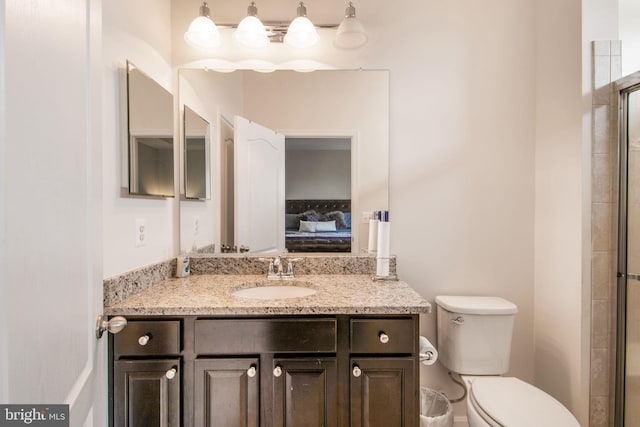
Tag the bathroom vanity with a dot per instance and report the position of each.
(193, 354)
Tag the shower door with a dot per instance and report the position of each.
(628, 335)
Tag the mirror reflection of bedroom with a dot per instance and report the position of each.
(251, 116)
(318, 194)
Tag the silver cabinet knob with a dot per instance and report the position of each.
(356, 371)
(384, 338)
(144, 340)
(277, 371)
(251, 372)
(171, 373)
(113, 325)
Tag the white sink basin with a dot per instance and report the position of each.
(274, 292)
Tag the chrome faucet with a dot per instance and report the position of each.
(276, 268)
(277, 263)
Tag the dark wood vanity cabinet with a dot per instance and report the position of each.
(266, 372)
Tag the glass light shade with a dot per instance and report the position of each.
(251, 33)
(350, 34)
(203, 33)
(301, 33)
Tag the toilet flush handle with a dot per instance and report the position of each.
(458, 320)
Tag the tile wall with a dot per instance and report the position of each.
(606, 69)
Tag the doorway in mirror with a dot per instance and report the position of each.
(318, 182)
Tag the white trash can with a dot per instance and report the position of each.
(435, 409)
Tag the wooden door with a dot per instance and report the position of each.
(259, 187)
(146, 393)
(383, 392)
(227, 392)
(305, 392)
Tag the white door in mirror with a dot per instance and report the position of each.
(259, 177)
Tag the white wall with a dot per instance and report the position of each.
(136, 31)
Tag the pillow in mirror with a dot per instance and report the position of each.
(326, 226)
(308, 226)
(311, 215)
(338, 217)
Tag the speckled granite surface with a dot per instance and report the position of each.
(307, 264)
(212, 295)
(120, 287)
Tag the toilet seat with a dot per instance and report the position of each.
(508, 401)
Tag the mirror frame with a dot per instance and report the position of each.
(154, 137)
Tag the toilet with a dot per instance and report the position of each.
(474, 340)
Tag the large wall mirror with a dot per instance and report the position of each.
(150, 136)
(323, 136)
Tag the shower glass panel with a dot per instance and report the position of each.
(631, 127)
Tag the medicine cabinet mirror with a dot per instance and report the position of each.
(150, 136)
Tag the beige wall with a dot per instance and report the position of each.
(561, 365)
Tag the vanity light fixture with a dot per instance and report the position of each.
(202, 32)
(350, 34)
(301, 32)
(251, 32)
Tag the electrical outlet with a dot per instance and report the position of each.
(141, 232)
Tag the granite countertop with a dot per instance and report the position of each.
(210, 294)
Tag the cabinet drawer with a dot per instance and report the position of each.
(162, 337)
(250, 336)
(383, 336)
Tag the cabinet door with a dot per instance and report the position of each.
(305, 392)
(146, 393)
(383, 392)
(226, 392)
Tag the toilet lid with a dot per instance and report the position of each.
(512, 402)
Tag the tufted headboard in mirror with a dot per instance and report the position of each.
(320, 206)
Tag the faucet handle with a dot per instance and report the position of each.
(290, 265)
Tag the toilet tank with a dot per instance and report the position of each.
(474, 334)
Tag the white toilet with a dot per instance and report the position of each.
(474, 340)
